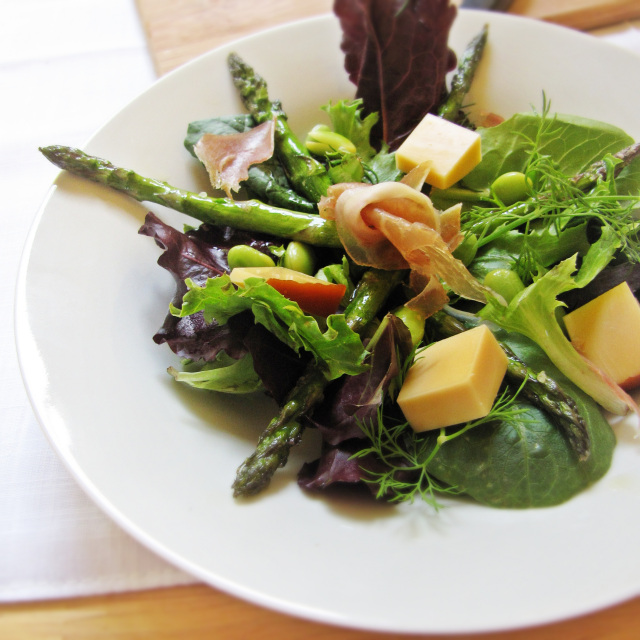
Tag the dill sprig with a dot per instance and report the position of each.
(406, 455)
(556, 201)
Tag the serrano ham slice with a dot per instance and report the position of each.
(228, 157)
(393, 225)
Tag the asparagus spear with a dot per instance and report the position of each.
(463, 76)
(305, 173)
(598, 170)
(285, 430)
(541, 390)
(545, 393)
(249, 215)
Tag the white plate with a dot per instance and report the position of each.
(160, 458)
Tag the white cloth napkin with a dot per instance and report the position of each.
(66, 66)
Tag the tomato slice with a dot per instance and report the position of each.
(315, 297)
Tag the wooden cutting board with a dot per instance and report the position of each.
(179, 31)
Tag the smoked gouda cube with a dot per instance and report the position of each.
(606, 330)
(452, 150)
(453, 381)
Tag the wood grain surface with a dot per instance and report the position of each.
(198, 612)
(578, 14)
(180, 31)
(177, 32)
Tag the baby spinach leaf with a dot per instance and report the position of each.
(225, 125)
(267, 180)
(526, 462)
(573, 142)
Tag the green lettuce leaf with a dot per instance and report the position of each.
(337, 349)
(224, 374)
(365, 164)
(346, 119)
(533, 314)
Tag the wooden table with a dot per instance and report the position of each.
(177, 32)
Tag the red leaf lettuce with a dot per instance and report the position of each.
(396, 53)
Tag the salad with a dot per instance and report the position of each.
(543, 223)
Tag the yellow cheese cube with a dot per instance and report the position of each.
(452, 150)
(606, 330)
(453, 381)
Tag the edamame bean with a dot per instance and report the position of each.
(511, 187)
(467, 249)
(505, 282)
(321, 140)
(413, 321)
(242, 255)
(299, 257)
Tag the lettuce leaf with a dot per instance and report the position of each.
(348, 403)
(346, 119)
(199, 254)
(397, 55)
(224, 374)
(338, 349)
(533, 314)
(365, 164)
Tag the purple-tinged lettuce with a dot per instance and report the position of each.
(336, 348)
(397, 55)
(198, 255)
(351, 401)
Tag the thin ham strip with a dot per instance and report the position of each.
(228, 157)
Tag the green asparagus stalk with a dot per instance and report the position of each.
(463, 76)
(306, 174)
(545, 393)
(248, 215)
(541, 390)
(285, 430)
(598, 170)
